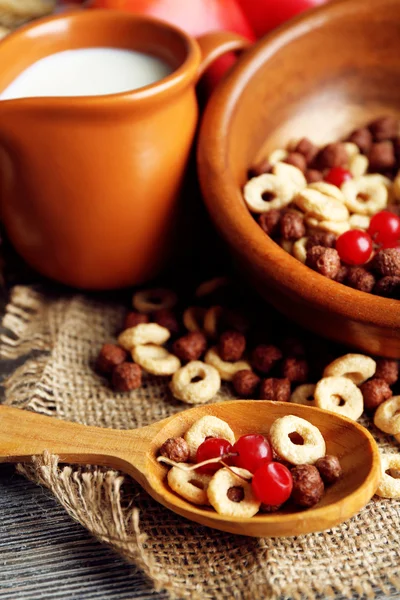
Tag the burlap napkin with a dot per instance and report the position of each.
(62, 337)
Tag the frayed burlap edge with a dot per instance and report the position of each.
(93, 496)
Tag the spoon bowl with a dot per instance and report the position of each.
(25, 434)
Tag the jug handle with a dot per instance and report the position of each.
(217, 43)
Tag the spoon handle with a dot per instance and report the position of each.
(24, 434)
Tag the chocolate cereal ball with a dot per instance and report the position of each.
(191, 346)
(127, 377)
(175, 449)
(375, 391)
(329, 468)
(231, 346)
(245, 383)
(110, 356)
(308, 487)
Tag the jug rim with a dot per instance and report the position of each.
(182, 76)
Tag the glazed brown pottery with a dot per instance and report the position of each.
(321, 76)
(24, 434)
(89, 185)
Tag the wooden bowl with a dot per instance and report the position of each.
(321, 76)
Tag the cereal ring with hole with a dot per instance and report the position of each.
(218, 488)
(389, 486)
(386, 416)
(365, 195)
(337, 227)
(148, 301)
(359, 222)
(356, 367)
(281, 191)
(211, 285)
(144, 333)
(155, 359)
(321, 206)
(358, 165)
(290, 173)
(299, 250)
(329, 389)
(304, 394)
(306, 454)
(208, 426)
(195, 392)
(191, 485)
(193, 318)
(226, 369)
(211, 319)
(277, 155)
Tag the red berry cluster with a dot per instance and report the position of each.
(272, 482)
(355, 247)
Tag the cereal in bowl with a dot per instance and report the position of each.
(349, 190)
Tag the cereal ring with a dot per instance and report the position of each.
(155, 359)
(366, 195)
(226, 369)
(277, 156)
(212, 285)
(358, 165)
(396, 186)
(329, 389)
(148, 301)
(191, 485)
(386, 418)
(307, 454)
(197, 392)
(337, 227)
(287, 245)
(321, 206)
(281, 190)
(328, 189)
(208, 426)
(144, 333)
(299, 249)
(211, 319)
(351, 149)
(217, 491)
(356, 367)
(193, 318)
(304, 394)
(290, 173)
(389, 486)
(359, 222)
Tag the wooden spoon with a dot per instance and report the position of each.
(24, 434)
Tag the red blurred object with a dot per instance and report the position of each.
(193, 16)
(264, 15)
(337, 176)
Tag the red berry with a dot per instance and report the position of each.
(212, 448)
(354, 247)
(253, 451)
(385, 228)
(337, 176)
(272, 483)
(390, 244)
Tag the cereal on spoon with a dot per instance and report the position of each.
(336, 208)
(240, 478)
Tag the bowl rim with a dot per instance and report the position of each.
(224, 199)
